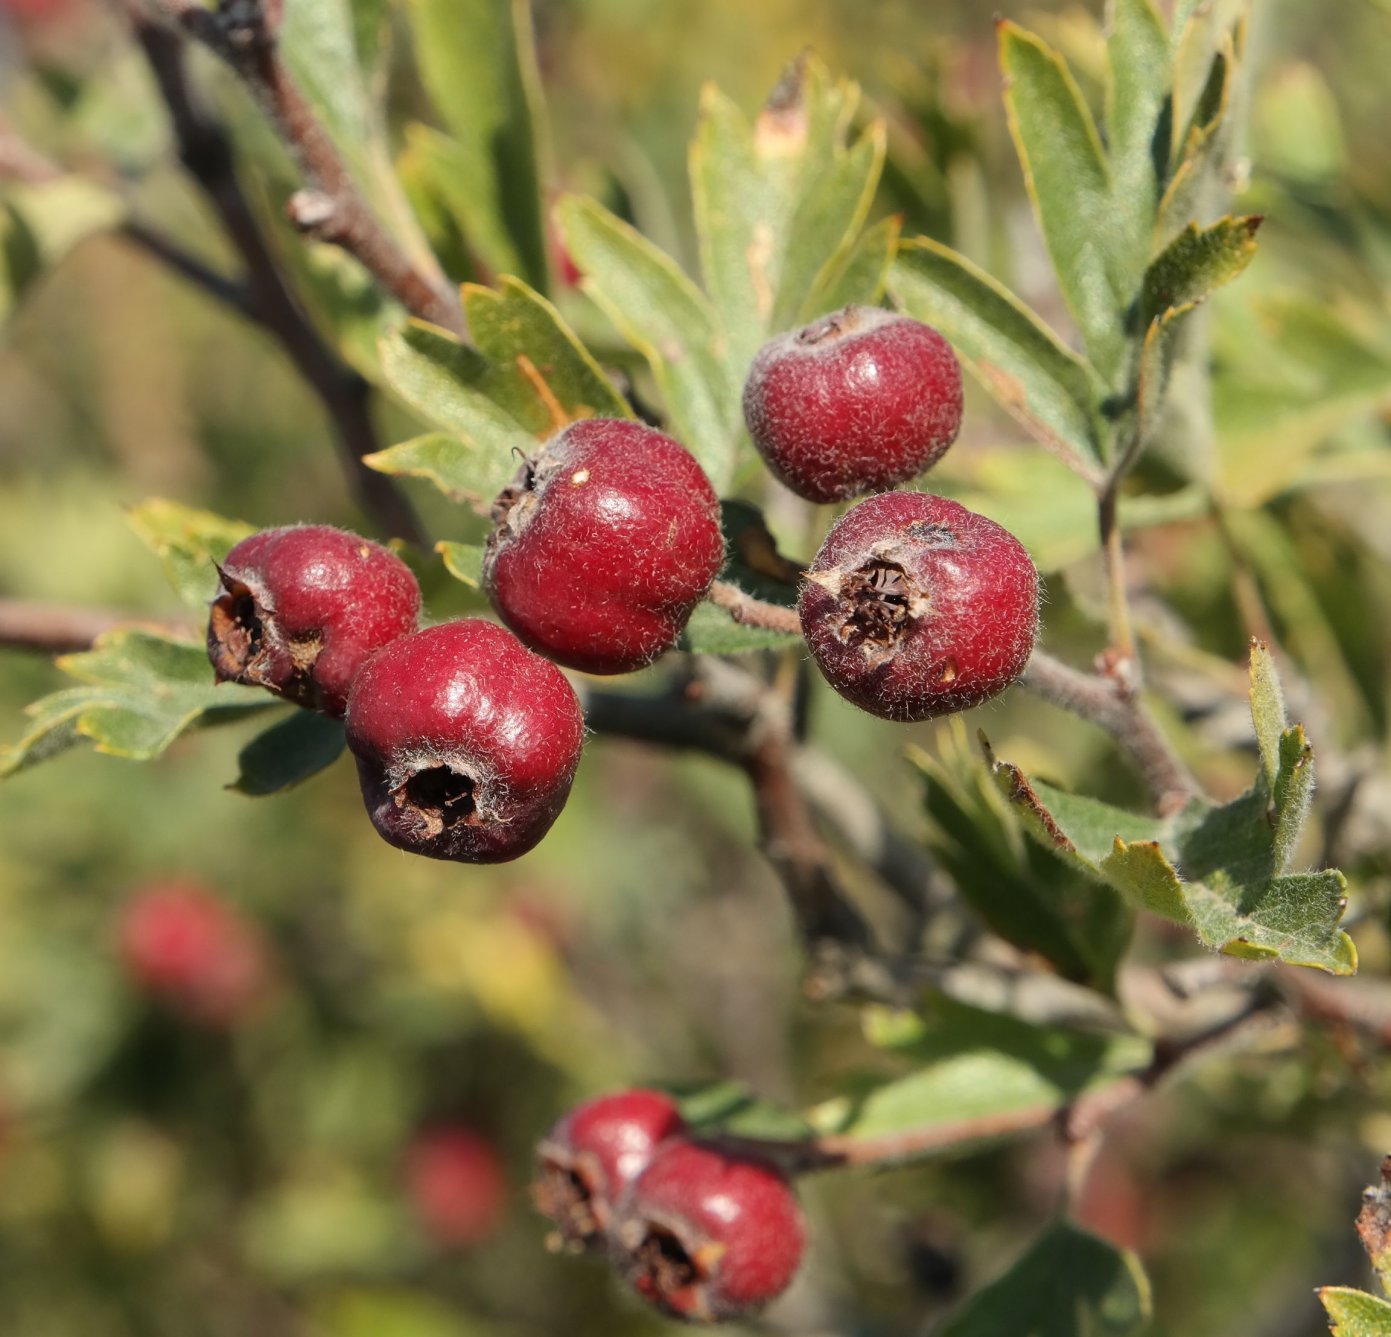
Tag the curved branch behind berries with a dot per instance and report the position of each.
(334, 209)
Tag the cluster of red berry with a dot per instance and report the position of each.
(467, 736)
(700, 1229)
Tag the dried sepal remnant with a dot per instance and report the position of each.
(917, 607)
(440, 796)
(299, 609)
(876, 605)
(709, 1233)
(587, 1161)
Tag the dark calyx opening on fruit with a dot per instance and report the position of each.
(564, 1195)
(666, 1269)
(877, 601)
(441, 797)
(236, 635)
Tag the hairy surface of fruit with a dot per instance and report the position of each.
(707, 1234)
(300, 608)
(466, 742)
(591, 1156)
(917, 607)
(456, 1183)
(603, 546)
(181, 944)
(855, 402)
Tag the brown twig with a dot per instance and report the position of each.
(55, 629)
(244, 35)
(206, 153)
(1112, 702)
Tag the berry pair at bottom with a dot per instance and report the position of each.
(699, 1230)
(466, 742)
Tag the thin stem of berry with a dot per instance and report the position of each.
(1112, 702)
(750, 612)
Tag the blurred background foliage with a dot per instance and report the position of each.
(157, 1178)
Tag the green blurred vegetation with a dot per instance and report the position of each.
(157, 1180)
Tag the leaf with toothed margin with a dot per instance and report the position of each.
(1020, 361)
(1355, 1313)
(513, 325)
(138, 692)
(661, 313)
(460, 469)
(860, 276)
(1221, 869)
(188, 542)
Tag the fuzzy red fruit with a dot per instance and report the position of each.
(466, 742)
(184, 946)
(603, 546)
(456, 1183)
(301, 608)
(854, 402)
(916, 607)
(707, 1234)
(591, 1156)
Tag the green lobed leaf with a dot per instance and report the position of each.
(460, 469)
(1199, 149)
(455, 388)
(1354, 1313)
(291, 751)
(1193, 266)
(1022, 363)
(478, 65)
(1069, 1284)
(138, 693)
(734, 1108)
(1220, 869)
(1070, 186)
(514, 326)
(1267, 710)
(779, 202)
(861, 276)
(463, 561)
(667, 319)
(969, 1064)
(187, 542)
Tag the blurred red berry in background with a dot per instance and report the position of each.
(184, 946)
(456, 1183)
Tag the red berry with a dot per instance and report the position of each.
(466, 742)
(707, 1234)
(301, 608)
(591, 1156)
(854, 402)
(604, 545)
(184, 946)
(455, 1180)
(916, 607)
